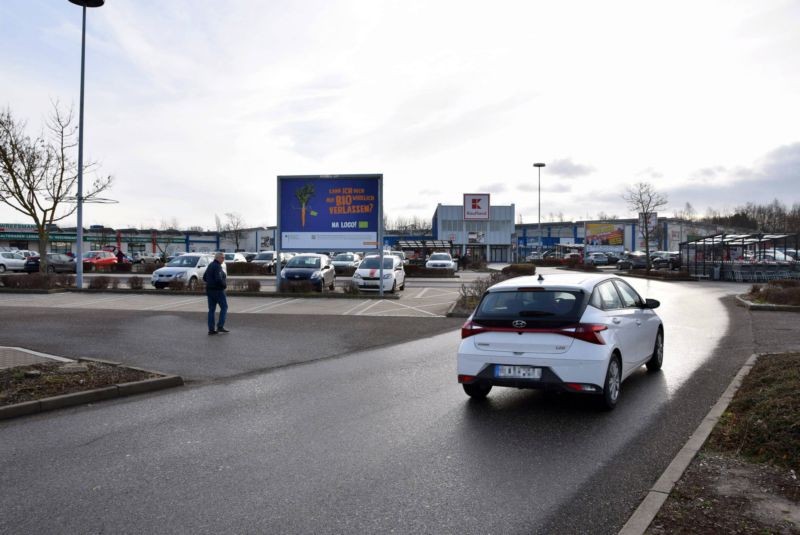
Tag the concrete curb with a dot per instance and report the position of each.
(741, 301)
(657, 495)
(91, 396)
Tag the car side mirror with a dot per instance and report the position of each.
(652, 303)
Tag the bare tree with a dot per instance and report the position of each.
(234, 227)
(38, 176)
(643, 199)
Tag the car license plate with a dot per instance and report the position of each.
(518, 372)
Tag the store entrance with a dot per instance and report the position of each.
(476, 254)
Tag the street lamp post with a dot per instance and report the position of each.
(539, 166)
(79, 230)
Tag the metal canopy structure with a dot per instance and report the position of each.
(424, 244)
(753, 257)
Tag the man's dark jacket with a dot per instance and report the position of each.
(215, 277)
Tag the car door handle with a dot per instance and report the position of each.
(615, 320)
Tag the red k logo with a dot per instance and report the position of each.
(476, 203)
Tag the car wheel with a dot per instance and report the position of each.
(2, 268)
(612, 383)
(333, 284)
(477, 390)
(51, 269)
(160, 285)
(193, 283)
(655, 362)
(394, 287)
(403, 286)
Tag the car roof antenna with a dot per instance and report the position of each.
(540, 279)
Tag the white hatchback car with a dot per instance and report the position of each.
(580, 333)
(368, 275)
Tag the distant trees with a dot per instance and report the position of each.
(643, 199)
(234, 227)
(772, 217)
(39, 176)
(407, 225)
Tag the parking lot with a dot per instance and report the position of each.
(418, 300)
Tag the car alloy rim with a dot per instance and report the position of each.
(613, 380)
(660, 349)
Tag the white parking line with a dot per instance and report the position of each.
(91, 302)
(348, 311)
(360, 312)
(419, 295)
(176, 303)
(416, 309)
(272, 304)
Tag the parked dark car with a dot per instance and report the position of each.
(665, 259)
(312, 268)
(634, 260)
(56, 263)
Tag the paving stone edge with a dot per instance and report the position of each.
(91, 396)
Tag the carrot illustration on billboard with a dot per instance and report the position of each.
(303, 195)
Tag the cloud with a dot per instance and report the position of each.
(649, 174)
(775, 175)
(566, 168)
(495, 187)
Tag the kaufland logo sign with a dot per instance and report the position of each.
(476, 206)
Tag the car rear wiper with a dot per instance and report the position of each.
(535, 313)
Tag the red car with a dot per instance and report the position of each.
(92, 259)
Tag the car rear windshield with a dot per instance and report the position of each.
(343, 257)
(534, 306)
(264, 256)
(440, 256)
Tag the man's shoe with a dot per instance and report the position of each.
(222, 330)
(212, 332)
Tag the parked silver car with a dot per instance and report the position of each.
(187, 268)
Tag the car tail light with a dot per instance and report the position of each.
(469, 328)
(466, 378)
(588, 332)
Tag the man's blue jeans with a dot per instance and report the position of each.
(216, 297)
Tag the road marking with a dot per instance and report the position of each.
(416, 309)
(360, 312)
(347, 312)
(175, 303)
(419, 295)
(91, 302)
(272, 304)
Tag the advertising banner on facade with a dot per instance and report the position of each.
(329, 212)
(608, 237)
(476, 206)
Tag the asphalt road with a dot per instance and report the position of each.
(373, 440)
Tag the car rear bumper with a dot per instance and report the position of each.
(556, 370)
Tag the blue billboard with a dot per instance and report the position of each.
(329, 212)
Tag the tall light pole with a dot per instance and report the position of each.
(539, 166)
(79, 230)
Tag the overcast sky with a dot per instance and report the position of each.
(195, 106)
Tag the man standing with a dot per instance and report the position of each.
(215, 279)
